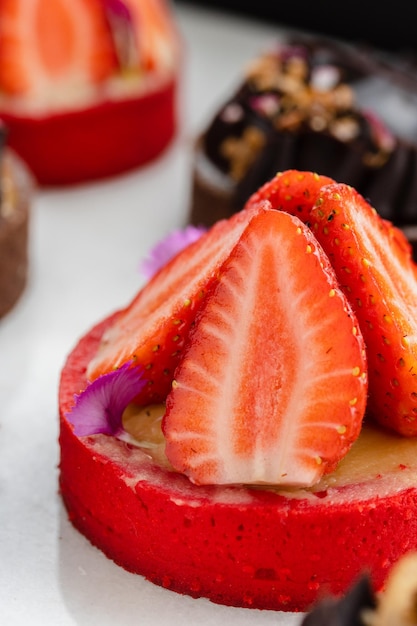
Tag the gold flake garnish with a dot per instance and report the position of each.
(316, 98)
(242, 151)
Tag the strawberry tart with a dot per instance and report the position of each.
(245, 429)
(16, 187)
(312, 103)
(87, 87)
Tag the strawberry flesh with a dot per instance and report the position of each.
(374, 265)
(292, 191)
(69, 44)
(271, 387)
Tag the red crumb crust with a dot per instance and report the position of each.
(234, 545)
(100, 141)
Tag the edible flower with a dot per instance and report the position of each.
(168, 247)
(99, 408)
(121, 25)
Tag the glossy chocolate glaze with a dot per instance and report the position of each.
(347, 112)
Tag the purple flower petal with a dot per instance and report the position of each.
(266, 104)
(99, 408)
(169, 247)
(382, 135)
(122, 30)
(117, 8)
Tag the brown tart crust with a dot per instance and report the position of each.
(16, 193)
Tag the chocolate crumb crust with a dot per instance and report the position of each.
(16, 190)
(320, 105)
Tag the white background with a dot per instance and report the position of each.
(86, 246)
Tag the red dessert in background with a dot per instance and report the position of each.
(87, 88)
(218, 435)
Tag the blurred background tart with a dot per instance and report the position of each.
(87, 87)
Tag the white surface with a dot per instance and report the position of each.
(86, 246)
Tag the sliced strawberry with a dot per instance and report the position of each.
(373, 262)
(272, 384)
(151, 331)
(45, 45)
(292, 191)
(155, 29)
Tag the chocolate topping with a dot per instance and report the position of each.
(347, 611)
(324, 106)
(395, 606)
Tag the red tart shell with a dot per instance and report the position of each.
(96, 142)
(237, 546)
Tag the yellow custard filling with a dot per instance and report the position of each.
(376, 454)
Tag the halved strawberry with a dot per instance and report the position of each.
(292, 191)
(271, 387)
(51, 45)
(154, 31)
(374, 265)
(152, 330)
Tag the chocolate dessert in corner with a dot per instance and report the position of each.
(314, 104)
(361, 606)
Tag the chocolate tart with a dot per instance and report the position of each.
(262, 548)
(16, 188)
(361, 606)
(318, 105)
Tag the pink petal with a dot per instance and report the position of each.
(169, 247)
(99, 408)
